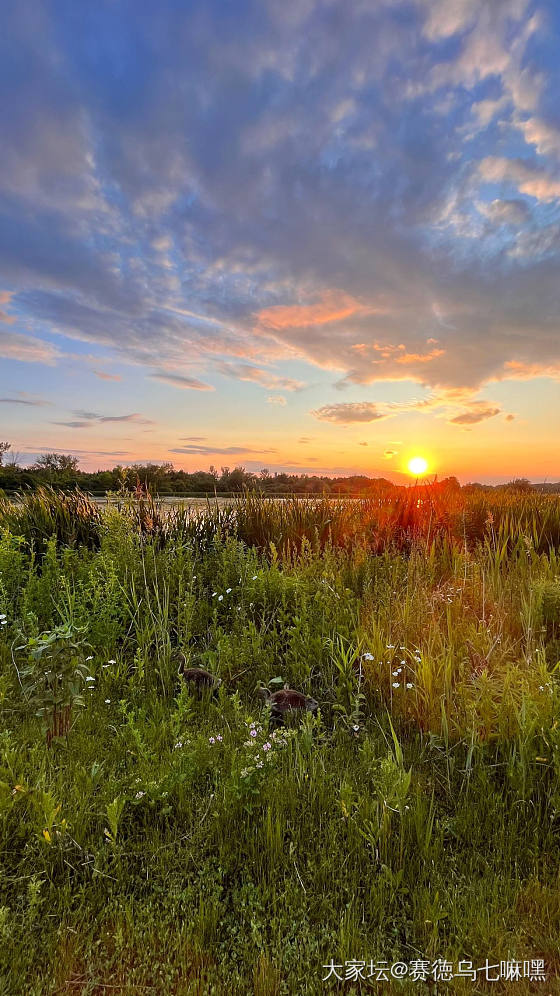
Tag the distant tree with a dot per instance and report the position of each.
(155, 476)
(56, 463)
(520, 484)
(4, 447)
(236, 479)
(450, 484)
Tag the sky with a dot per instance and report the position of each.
(313, 235)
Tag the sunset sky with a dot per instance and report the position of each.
(313, 235)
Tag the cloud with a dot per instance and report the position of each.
(505, 212)
(134, 417)
(20, 400)
(106, 376)
(527, 177)
(182, 382)
(277, 399)
(222, 450)
(75, 424)
(5, 298)
(479, 414)
(456, 405)
(330, 306)
(346, 414)
(85, 419)
(242, 200)
(27, 349)
(244, 371)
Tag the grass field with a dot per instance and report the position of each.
(153, 842)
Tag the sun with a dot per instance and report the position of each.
(418, 466)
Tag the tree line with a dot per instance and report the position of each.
(62, 470)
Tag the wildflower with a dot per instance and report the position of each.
(219, 737)
(214, 593)
(356, 728)
(139, 795)
(2, 615)
(409, 684)
(178, 745)
(260, 764)
(90, 678)
(220, 598)
(228, 591)
(211, 740)
(267, 746)
(255, 576)
(107, 701)
(90, 658)
(396, 684)
(252, 733)
(368, 657)
(3, 622)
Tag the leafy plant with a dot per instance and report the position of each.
(55, 676)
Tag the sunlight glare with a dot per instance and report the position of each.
(418, 466)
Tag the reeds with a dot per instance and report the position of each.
(395, 522)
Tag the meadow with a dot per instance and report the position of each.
(153, 841)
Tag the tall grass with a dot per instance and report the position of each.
(419, 817)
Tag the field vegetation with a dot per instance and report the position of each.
(155, 841)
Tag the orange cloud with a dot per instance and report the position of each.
(332, 306)
(5, 298)
(420, 357)
(526, 371)
(398, 353)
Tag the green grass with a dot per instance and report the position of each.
(139, 856)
